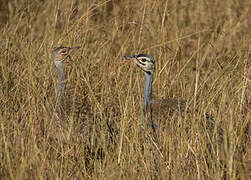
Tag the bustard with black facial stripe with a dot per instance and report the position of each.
(159, 109)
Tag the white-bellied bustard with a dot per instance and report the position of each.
(158, 110)
(65, 108)
(59, 54)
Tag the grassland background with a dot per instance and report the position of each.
(202, 52)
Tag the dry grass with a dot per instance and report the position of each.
(202, 50)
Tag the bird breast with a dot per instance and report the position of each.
(163, 110)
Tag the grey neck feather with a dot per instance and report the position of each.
(61, 79)
(147, 99)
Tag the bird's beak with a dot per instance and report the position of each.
(71, 50)
(74, 48)
(130, 57)
(77, 47)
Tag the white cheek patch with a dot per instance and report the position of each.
(141, 65)
(58, 62)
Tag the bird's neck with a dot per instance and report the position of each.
(61, 79)
(147, 99)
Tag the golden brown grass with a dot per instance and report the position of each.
(202, 50)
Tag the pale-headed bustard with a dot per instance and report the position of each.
(59, 54)
(163, 108)
(58, 127)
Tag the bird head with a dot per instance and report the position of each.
(143, 61)
(59, 54)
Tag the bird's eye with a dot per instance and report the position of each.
(63, 51)
(143, 60)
